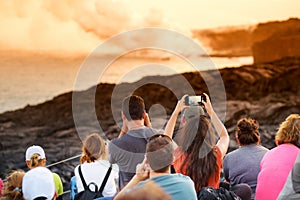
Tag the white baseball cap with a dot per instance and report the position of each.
(38, 182)
(33, 150)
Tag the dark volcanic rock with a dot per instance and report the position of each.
(267, 92)
(266, 42)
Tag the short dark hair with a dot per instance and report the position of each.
(247, 131)
(159, 152)
(133, 107)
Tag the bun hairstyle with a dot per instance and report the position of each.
(93, 149)
(247, 131)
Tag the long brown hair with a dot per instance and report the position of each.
(197, 141)
(13, 186)
(93, 148)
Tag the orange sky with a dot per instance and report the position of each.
(214, 13)
(80, 25)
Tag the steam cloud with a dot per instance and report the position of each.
(76, 26)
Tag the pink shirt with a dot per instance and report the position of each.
(1, 187)
(274, 170)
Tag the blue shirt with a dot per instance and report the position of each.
(177, 185)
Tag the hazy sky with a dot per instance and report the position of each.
(214, 13)
(79, 25)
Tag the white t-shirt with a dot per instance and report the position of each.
(95, 172)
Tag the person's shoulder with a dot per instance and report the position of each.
(183, 180)
(232, 153)
(151, 131)
(284, 148)
(107, 164)
(181, 177)
(229, 156)
(57, 179)
(55, 176)
(262, 148)
(76, 169)
(118, 141)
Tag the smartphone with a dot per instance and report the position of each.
(195, 100)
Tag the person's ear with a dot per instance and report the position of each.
(144, 114)
(44, 162)
(123, 116)
(237, 140)
(258, 139)
(183, 120)
(28, 164)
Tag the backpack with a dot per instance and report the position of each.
(210, 193)
(87, 193)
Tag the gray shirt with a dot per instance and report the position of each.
(128, 151)
(243, 165)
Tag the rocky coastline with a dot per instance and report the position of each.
(267, 92)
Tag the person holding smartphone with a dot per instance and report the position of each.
(198, 154)
(129, 148)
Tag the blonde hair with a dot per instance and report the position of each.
(93, 148)
(35, 161)
(289, 130)
(13, 186)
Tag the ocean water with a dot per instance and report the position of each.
(32, 79)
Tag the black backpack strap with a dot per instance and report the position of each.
(105, 179)
(82, 179)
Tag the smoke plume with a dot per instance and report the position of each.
(75, 26)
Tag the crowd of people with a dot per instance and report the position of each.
(144, 163)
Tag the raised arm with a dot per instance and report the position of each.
(223, 142)
(142, 173)
(169, 130)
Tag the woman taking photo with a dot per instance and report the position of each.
(198, 155)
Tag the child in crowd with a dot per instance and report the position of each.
(13, 186)
(38, 184)
(35, 157)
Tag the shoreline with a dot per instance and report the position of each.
(58, 87)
